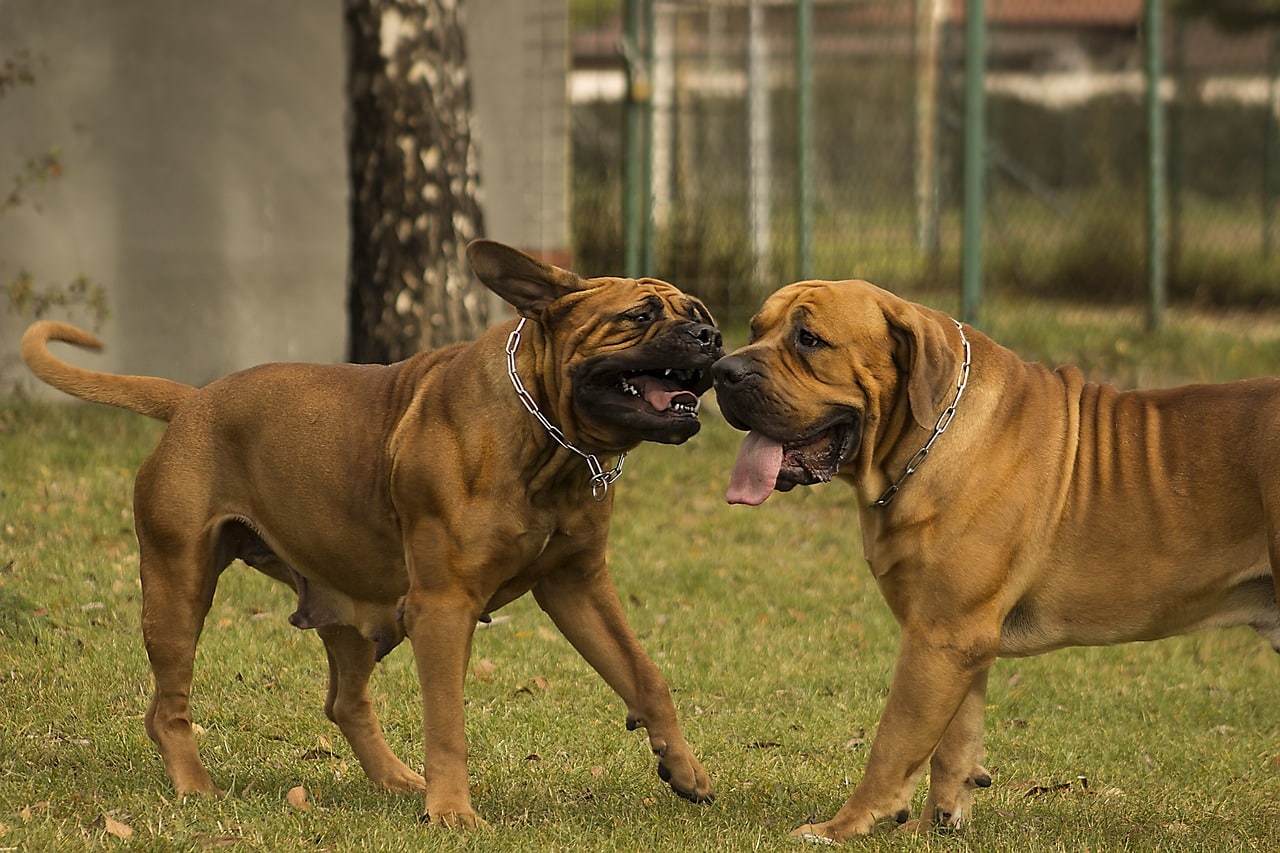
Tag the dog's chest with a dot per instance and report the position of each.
(534, 555)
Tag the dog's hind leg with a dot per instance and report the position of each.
(177, 591)
(351, 660)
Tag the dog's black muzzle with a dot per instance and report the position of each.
(737, 385)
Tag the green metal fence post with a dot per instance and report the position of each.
(1156, 172)
(975, 49)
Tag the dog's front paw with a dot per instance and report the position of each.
(689, 780)
(835, 830)
(679, 769)
(453, 819)
(818, 833)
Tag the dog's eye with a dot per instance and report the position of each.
(647, 311)
(642, 316)
(808, 340)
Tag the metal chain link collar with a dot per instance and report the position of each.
(944, 421)
(600, 478)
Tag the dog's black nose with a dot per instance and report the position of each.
(707, 336)
(729, 370)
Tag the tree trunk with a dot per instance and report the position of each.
(413, 179)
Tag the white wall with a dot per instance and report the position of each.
(205, 175)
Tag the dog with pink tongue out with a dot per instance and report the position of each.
(755, 473)
(1006, 509)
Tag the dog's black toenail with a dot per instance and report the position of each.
(983, 781)
(902, 816)
(664, 773)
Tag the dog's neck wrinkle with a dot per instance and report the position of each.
(536, 365)
(903, 435)
(898, 438)
(557, 471)
(561, 412)
(552, 467)
(895, 438)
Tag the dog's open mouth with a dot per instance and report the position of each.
(667, 391)
(651, 403)
(765, 464)
(648, 393)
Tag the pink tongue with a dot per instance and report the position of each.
(756, 471)
(659, 396)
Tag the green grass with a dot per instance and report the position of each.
(766, 623)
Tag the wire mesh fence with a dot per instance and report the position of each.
(1066, 152)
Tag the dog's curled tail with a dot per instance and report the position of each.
(147, 395)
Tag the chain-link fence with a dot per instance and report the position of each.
(1066, 148)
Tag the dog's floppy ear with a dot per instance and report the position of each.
(528, 284)
(930, 363)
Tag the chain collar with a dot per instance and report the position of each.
(600, 478)
(944, 421)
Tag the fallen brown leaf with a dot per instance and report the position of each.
(116, 828)
(297, 797)
(27, 811)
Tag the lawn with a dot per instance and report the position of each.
(766, 623)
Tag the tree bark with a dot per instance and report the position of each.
(414, 181)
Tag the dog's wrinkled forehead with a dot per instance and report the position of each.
(648, 298)
(840, 313)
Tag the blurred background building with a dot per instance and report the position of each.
(203, 180)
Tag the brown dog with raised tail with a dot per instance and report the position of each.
(413, 500)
